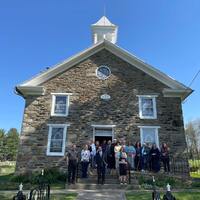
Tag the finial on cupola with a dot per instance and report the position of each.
(104, 30)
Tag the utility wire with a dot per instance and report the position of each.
(192, 81)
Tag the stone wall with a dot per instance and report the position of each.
(86, 108)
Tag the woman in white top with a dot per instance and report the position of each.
(85, 159)
(117, 154)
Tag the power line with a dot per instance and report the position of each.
(194, 78)
(192, 81)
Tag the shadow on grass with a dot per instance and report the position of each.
(178, 195)
(70, 196)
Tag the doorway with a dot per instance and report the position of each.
(103, 132)
(102, 138)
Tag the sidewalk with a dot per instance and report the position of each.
(98, 195)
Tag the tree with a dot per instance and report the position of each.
(2, 144)
(11, 144)
(192, 132)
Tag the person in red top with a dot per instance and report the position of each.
(165, 157)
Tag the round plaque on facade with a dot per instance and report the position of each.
(103, 72)
(105, 97)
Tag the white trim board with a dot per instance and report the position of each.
(105, 127)
(53, 100)
(153, 97)
(149, 127)
(51, 126)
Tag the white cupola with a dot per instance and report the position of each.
(104, 30)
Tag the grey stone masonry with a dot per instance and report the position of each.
(87, 108)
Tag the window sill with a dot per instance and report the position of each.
(59, 115)
(55, 154)
(143, 117)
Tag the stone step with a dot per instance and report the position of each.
(94, 181)
(92, 186)
(107, 180)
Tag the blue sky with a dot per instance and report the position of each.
(37, 34)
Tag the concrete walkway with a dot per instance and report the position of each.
(101, 195)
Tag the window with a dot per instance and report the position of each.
(60, 104)
(103, 72)
(147, 106)
(149, 134)
(56, 139)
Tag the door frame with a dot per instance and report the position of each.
(103, 126)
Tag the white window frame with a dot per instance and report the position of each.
(153, 97)
(53, 104)
(149, 127)
(105, 67)
(51, 126)
(103, 126)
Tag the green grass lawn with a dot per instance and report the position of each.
(7, 168)
(195, 168)
(64, 196)
(179, 196)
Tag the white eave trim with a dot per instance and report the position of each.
(59, 68)
(145, 67)
(30, 90)
(183, 94)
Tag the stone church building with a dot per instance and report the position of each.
(101, 93)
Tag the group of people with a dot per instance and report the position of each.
(116, 157)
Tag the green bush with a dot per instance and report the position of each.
(52, 175)
(195, 184)
(161, 181)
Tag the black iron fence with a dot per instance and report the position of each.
(40, 192)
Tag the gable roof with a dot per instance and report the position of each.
(116, 50)
(104, 21)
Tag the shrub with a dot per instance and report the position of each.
(161, 181)
(52, 175)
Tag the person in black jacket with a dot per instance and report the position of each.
(138, 156)
(100, 160)
(155, 158)
(165, 157)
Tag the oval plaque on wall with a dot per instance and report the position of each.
(105, 97)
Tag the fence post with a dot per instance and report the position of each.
(155, 194)
(168, 195)
(20, 195)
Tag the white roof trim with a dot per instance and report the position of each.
(123, 54)
(104, 21)
(183, 94)
(56, 69)
(30, 90)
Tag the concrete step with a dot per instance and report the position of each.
(94, 181)
(107, 180)
(82, 186)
